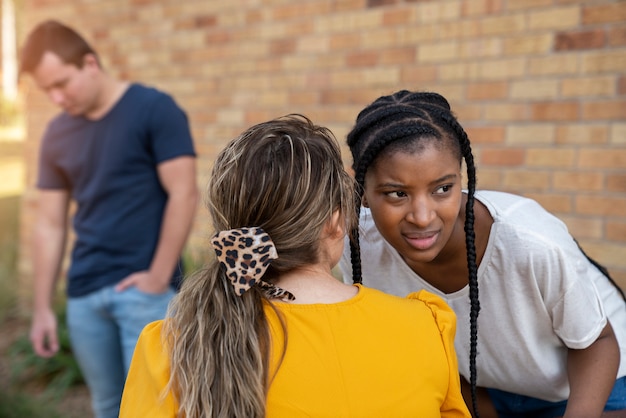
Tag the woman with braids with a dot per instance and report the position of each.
(266, 329)
(552, 323)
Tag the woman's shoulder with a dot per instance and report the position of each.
(151, 335)
(421, 300)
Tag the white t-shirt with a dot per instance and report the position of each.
(538, 295)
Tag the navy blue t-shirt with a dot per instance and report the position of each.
(109, 167)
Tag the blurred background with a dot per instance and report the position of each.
(540, 86)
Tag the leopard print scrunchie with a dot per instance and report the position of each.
(245, 254)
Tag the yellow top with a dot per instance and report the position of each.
(375, 355)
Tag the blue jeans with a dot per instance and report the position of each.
(511, 405)
(104, 327)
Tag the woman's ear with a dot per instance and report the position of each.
(336, 225)
(364, 201)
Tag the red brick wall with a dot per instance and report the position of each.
(540, 85)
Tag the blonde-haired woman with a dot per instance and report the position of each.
(266, 329)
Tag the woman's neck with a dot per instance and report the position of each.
(315, 284)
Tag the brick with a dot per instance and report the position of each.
(528, 44)
(553, 202)
(314, 45)
(484, 47)
(604, 13)
(595, 204)
(616, 182)
(347, 5)
(535, 89)
(602, 158)
(282, 46)
(344, 41)
(588, 86)
(488, 178)
(485, 134)
(413, 35)
(487, 90)
(434, 12)
(463, 29)
(509, 112)
(565, 63)
(387, 77)
(477, 8)
(530, 134)
(380, 39)
(502, 69)
(611, 255)
(583, 227)
(362, 59)
(454, 94)
(550, 157)
(397, 56)
(556, 18)
(398, 16)
(589, 39)
(603, 62)
(292, 11)
(603, 110)
(616, 231)
(617, 36)
(527, 180)
(341, 22)
(527, 4)
(588, 134)
(458, 71)
(468, 113)
(318, 80)
(577, 181)
(503, 157)
(503, 24)
(418, 75)
(439, 52)
(617, 134)
(359, 97)
(621, 85)
(555, 111)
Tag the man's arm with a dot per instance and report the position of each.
(592, 372)
(48, 245)
(178, 177)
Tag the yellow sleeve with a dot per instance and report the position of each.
(148, 375)
(453, 405)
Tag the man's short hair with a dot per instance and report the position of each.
(53, 36)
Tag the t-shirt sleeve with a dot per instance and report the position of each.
(49, 176)
(454, 404)
(169, 130)
(148, 375)
(578, 328)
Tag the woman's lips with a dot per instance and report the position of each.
(421, 241)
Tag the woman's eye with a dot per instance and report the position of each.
(443, 189)
(396, 194)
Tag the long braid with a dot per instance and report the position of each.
(471, 254)
(389, 119)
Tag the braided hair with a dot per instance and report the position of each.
(405, 120)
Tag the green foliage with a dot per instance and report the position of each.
(57, 373)
(18, 405)
(193, 260)
(9, 242)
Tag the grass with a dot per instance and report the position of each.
(56, 374)
(9, 243)
(19, 405)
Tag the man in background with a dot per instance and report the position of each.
(124, 153)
